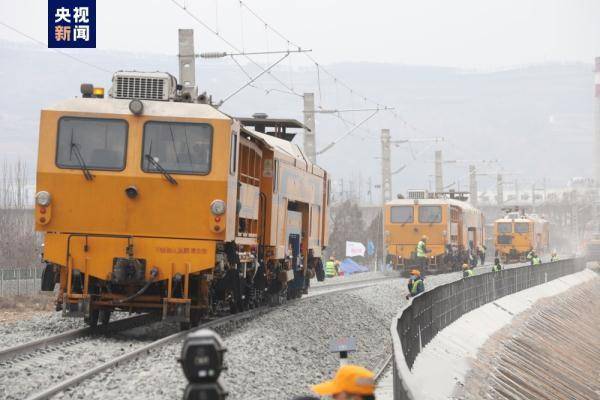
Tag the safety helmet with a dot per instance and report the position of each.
(415, 272)
(423, 237)
(331, 258)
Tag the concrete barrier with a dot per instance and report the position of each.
(425, 315)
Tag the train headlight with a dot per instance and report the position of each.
(202, 356)
(217, 207)
(43, 198)
(136, 107)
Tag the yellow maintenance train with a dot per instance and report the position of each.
(152, 201)
(517, 234)
(452, 226)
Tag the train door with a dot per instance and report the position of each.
(294, 249)
(472, 238)
(296, 246)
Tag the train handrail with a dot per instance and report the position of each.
(423, 316)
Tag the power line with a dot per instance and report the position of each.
(336, 80)
(233, 46)
(72, 57)
(249, 83)
(290, 42)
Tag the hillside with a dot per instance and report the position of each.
(528, 117)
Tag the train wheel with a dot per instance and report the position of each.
(104, 316)
(92, 320)
(195, 317)
(185, 326)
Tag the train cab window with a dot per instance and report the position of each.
(430, 214)
(402, 214)
(521, 227)
(91, 143)
(182, 148)
(504, 227)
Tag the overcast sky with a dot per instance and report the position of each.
(487, 34)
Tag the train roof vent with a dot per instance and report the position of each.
(143, 85)
(417, 194)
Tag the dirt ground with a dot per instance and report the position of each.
(24, 307)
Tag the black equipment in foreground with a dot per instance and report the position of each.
(202, 363)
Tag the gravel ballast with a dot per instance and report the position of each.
(277, 355)
(24, 376)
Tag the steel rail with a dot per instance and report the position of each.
(383, 367)
(124, 358)
(125, 323)
(118, 325)
(355, 282)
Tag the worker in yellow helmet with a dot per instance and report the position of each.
(330, 270)
(415, 284)
(467, 271)
(351, 382)
(422, 251)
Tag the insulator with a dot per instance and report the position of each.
(213, 55)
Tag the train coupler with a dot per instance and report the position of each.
(176, 310)
(80, 308)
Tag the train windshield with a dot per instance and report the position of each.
(521, 227)
(430, 214)
(177, 147)
(91, 143)
(402, 214)
(504, 227)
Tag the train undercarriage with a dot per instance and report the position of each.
(431, 265)
(234, 285)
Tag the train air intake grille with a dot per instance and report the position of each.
(129, 87)
(143, 86)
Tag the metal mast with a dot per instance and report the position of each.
(187, 63)
(386, 168)
(473, 184)
(439, 177)
(309, 122)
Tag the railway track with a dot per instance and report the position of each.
(379, 373)
(44, 353)
(72, 336)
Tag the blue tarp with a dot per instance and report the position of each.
(349, 267)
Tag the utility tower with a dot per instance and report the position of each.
(439, 177)
(472, 175)
(187, 63)
(499, 190)
(386, 168)
(473, 185)
(309, 122)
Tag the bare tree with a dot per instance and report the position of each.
(346, 225)
(18, 240)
